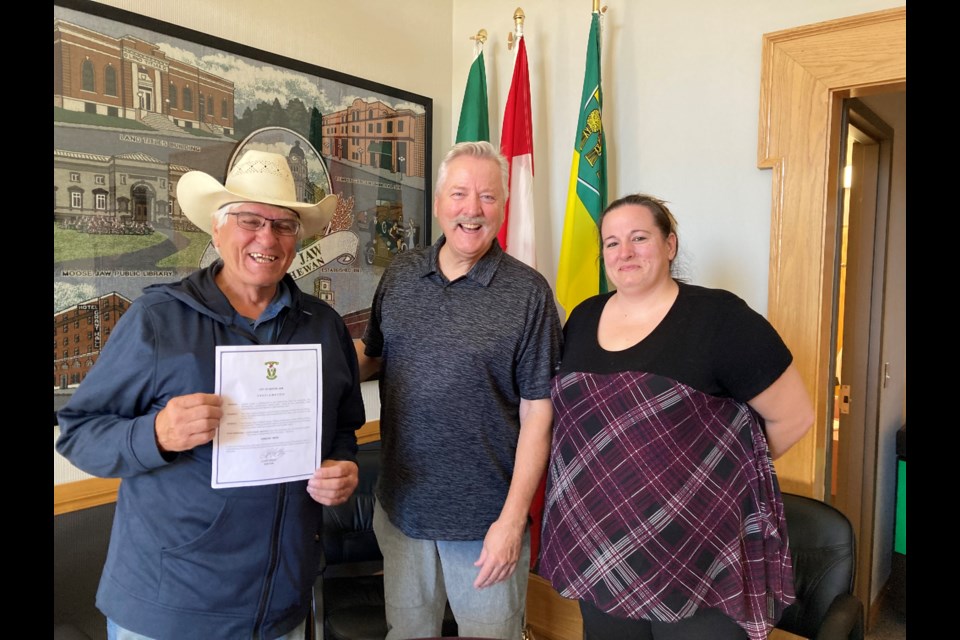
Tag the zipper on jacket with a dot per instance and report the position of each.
(271, 566)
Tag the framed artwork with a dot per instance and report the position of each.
(139, 102)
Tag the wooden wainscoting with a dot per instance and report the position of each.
(779, 634)
(549, 615)
(370, 432)
(553, 617)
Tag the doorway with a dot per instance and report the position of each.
(806, 75)
(401, 157)
(863, 199)
(142, 196)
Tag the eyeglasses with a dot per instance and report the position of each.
(254, 222)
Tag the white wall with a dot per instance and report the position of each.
(681, 82)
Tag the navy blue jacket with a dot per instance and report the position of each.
(185, 560)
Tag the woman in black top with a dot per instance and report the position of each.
(663, 514)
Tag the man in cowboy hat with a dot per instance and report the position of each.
(186, 560)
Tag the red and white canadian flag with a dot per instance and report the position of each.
(517, 233)
(516, 144)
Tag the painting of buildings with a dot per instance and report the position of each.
(138, 103)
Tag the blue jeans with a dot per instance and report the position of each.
(420, 576)
(116, 632)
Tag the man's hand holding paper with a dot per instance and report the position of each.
(188, 421)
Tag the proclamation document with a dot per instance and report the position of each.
(272, 403)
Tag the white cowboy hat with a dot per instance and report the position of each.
(258, 176)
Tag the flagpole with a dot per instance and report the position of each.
(518, 232)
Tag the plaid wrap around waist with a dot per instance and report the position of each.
(662, 500)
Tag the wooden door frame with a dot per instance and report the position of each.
(806, 73)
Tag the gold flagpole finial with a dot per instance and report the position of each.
(518, 17)
(481, 36)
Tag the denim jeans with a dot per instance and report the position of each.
(419, 576)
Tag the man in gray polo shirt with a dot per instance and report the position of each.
(466, 339)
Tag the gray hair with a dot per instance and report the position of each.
(483, 150)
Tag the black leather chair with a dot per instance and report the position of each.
(80, 542)
(824, 561)
(348, 601)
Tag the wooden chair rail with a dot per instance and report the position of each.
(83, 494)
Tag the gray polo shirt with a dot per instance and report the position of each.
(457, 358)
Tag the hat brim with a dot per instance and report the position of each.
(200, 195)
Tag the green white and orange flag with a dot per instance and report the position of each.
(474, 118)
(580, 273)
